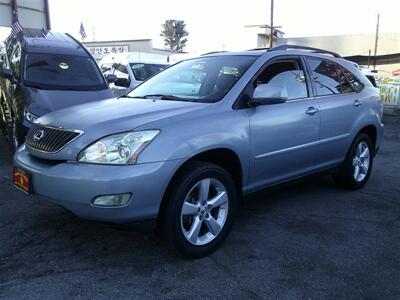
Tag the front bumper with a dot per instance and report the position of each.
(74, 185)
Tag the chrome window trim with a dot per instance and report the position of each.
(335, 95)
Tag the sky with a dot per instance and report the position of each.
(220, 24)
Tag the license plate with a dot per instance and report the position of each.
(22, 180)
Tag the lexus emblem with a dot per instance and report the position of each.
(38, 135)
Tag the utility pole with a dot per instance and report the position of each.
(369, 57)
(14, 11)
(376, 40)
(271, 35)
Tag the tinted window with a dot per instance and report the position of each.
(345, 86)
(48, 71)
(326, 77)
(287, 73)
(205, 79)
(353, 80)
(145, 71)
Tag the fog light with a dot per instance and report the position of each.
(112, 200)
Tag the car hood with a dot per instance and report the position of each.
(40, 102)
(110, 116)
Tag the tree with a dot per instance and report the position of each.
(174, 33)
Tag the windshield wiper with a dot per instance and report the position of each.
(157, 96)
(163, 97)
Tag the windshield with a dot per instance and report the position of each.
(62, 72)
(204, 79)
(145, 71)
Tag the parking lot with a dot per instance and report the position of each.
(307, 239)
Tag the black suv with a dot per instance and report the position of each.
(42, 71)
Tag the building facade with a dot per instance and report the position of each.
(99, 49)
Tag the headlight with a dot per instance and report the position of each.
(30, 116)
(118, 149)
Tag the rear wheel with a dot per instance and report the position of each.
(200, 209)
(356, 169)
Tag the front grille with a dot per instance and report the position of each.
(49, 139)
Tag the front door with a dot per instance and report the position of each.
(284, 137)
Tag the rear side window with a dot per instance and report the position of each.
(328, 80)
(352, 79)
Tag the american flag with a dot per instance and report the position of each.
(82, 31)
(16, 28)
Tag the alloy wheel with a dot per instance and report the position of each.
(361, 161)
(204, 211)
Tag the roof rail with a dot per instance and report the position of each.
(257, 49)
(212, 52)
(315, 50)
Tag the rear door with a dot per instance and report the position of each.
(283, 137)
(340, 107)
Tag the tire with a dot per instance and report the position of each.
(196, 229)
(356, 169)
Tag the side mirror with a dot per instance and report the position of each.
(8, 74)
(265, 94)
(111, 78)
(123, 82)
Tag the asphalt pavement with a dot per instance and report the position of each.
(304, 240)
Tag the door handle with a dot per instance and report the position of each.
(356, 103)
(311, 111)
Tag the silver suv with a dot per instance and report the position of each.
(183, 147)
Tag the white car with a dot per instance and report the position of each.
(371, 74)
(124, 71)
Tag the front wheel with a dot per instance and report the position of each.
(356, 169)
(200, 209)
